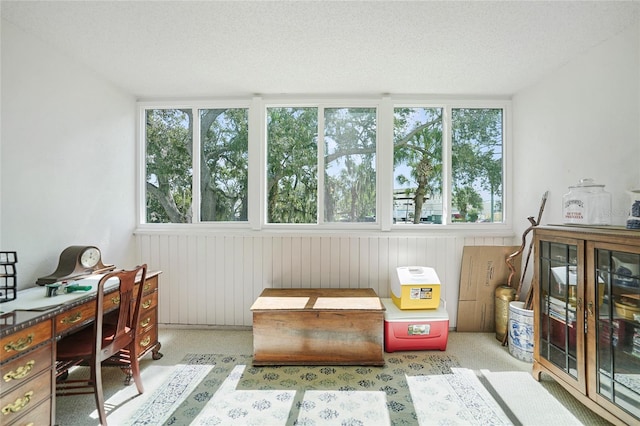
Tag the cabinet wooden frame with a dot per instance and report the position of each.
(587, 240)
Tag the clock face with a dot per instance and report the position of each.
(90, 257)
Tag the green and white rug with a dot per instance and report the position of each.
(412, 388)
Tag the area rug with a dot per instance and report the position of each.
(515, 391)
(412, 388)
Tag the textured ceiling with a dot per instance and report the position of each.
(156, 49)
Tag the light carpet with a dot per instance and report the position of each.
(412, 388)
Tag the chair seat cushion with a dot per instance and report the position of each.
(80, 344)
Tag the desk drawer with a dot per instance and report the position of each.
(75, 317)
(150, 285)
(147, 340)
(24, 340)
(36, 416)
(111, 301)
(147, 321)
(25, 367)
(149, 302)
(23, 398)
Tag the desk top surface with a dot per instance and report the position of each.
(21, 313)
(273, 299)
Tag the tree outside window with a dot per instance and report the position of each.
(350, 165)
(477, 170)
(169, 172)
(476, 165)
(349, 180)
(417, 168)
(321, 165)
(223, 165)
(292, 165)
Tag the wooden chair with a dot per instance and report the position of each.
(110, 338)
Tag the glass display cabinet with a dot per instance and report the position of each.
(587, 315)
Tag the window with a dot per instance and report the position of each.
(292, 165)
(476, 164)
(169, 174)
(346, 190)
(224, 139)
(223, 155)
(350, 165)
(476, 140)
(319, 164)
(417, 166)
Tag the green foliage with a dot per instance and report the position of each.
(418, 147)
(476, 156)
(169, 173)
(224, 164)
(350, 176)
(292, 173)
(292, 157)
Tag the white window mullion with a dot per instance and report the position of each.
(446, 166)
(257, 164)
(506, 167)
(321, 164)
(142, 166)
(195, 200)
(384, 165)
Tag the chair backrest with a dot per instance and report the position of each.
(128, 312)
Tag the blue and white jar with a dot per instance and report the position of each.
(520, 327)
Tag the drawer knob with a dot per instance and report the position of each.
(21, 344)
(18, 405)
(145, 342)
(20, 373)
(115, 300)
(71, 319)
(146, 304)
(145, 322)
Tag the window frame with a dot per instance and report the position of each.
(321, 104)
(257, 161)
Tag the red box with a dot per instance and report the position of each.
(415, 330)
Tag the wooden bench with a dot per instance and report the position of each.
(318, 327)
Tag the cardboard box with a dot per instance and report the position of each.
(415, 287)
(484, 268)
(415, 330)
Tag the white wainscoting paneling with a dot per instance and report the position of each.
(214, 278)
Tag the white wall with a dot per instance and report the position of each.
(580, 121)
(67, 160)
(68, 177)
(214, 277)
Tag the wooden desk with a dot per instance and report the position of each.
(318, 327)
(28, 347)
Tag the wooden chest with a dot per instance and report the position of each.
(318, 327)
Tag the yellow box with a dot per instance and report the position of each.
(415, 287)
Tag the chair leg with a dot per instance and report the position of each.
(97, 367)
(135, 368)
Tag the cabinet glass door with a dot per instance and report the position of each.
(618, 328)
(560, 288)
